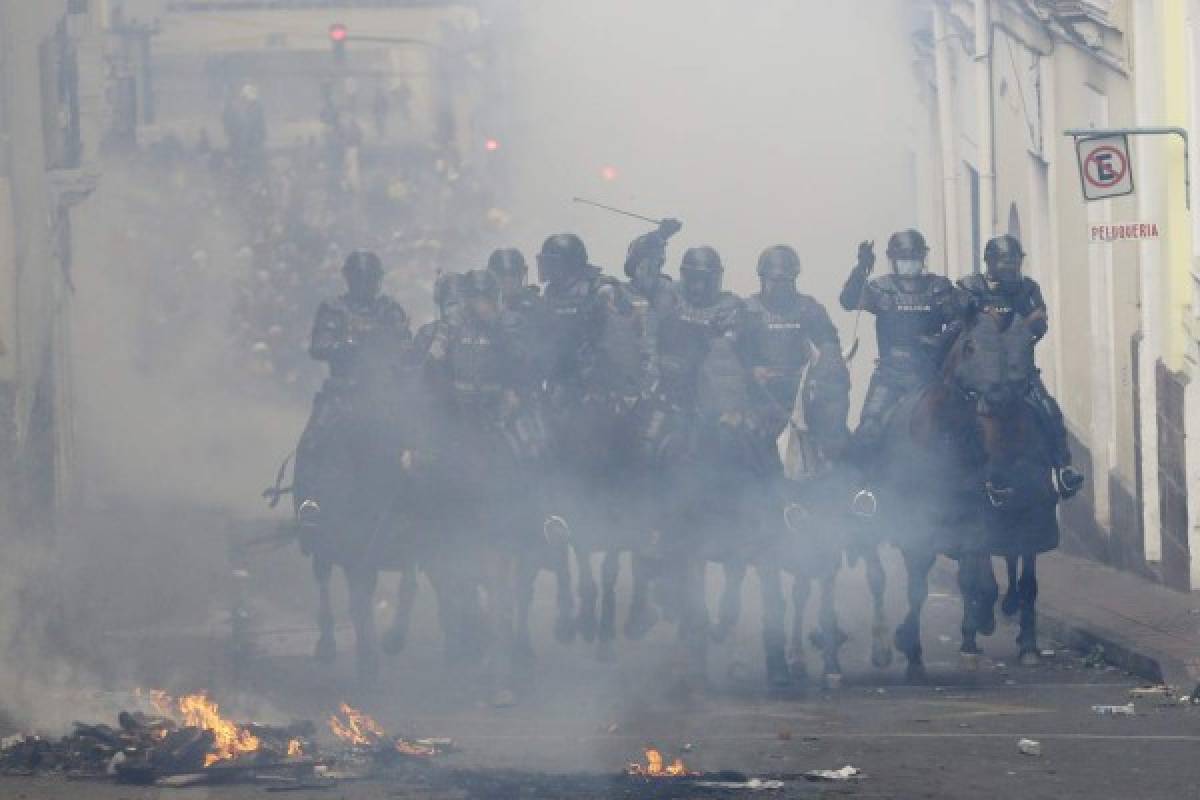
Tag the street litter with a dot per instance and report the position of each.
(846, 773)
(1029, 747)
(1115, 711)
(1049, 654)
(752, 785)
(1151, 691)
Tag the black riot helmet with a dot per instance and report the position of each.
(907, 252)
(447, 292)
(562, 255)
(481, 294)
(1003, 256)
(647, 254)
(778, 268)
(364, 275)
(508, 265)
(700, 275)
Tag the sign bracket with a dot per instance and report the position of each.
(1092, 133)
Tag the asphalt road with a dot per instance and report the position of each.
(956, 737)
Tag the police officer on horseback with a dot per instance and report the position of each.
(792, 340)
(917, 316)
(361, 335)
(1002, 290)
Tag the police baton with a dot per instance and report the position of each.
(623, 213)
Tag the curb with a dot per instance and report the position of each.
(1121, 654)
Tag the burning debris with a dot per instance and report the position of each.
(187, 741)
(187, 737)
(655, 768)
(366, 736)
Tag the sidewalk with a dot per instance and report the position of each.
(1143, 627)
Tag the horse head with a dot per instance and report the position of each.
(994, 367)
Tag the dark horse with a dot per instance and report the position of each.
(994, 366)
(928, 499)
(363, 473)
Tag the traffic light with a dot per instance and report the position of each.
(337, 37)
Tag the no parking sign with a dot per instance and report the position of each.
(1105, 168)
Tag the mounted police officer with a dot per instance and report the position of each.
(363, 335)
(917, 316)
(1002, 290)
(793, 340)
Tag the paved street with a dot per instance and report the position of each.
(956, 737)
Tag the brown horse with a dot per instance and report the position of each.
(994, 368)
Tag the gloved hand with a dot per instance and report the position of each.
(669, 227)
(866, 256)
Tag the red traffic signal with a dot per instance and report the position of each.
(338, 32)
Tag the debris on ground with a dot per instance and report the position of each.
(1150, 691)
(1029, 747)
(1095, 658)
(752, 785)
(1115, 711)
(846, 773)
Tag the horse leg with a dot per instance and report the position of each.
(729, 609)
(361, 583)
(693, 620)
(326, 650)
(526, 579)
(801, 589)
(406, 596)
(1012, 600)
(881, 648)
(564, 625)
(1028, 587)
(501, 575)
(969, 588)
(774, 611)
(610, 569)
(908, 635)
(642, 616)
(831, 635)
(585, 623)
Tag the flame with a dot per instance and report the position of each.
(654, 767)
(231, 740)
(357, 728)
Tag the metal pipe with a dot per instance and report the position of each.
(1095, 133)
(983, 107)
(947, 134)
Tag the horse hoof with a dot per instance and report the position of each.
(1030, 658)
(915, 674)
(832, 681)
(564, 629)
(906, 640)
(987, 621)
(881, 655)
(604, 651)
(969, 662)
(640, 623)
(1011, 604)
(393, 641)
(326, 650)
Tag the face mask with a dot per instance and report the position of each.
(908, 266)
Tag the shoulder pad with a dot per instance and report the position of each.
(1030, 286)
(940, 283)
(809, 303)
(973, 283)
